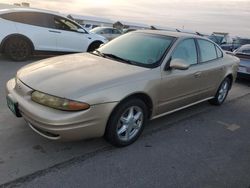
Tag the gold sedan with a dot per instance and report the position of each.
(113, 91)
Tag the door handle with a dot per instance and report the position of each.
(197, 74)
(52, 31)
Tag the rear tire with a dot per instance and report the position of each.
(18, 49)
(126, 123)
(222, 92)
(93, 46)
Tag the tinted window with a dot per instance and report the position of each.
(106, 31)
(219, 52)
(143, 49)
(186, 50)
(94, 26)
(207, 50)
(244, 41)
(65, 24)
(32, 18)
(87, 25)
(115, 31)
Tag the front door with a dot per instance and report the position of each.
(181, 87)
(68, 37)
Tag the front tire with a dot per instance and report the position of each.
(126, 123)
(222, 92)
(93, 46)
(18, 49)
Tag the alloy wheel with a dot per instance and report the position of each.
(130, 123)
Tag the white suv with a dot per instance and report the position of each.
(25, 31)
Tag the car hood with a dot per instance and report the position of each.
(73, 76)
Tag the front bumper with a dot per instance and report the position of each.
(56, 124)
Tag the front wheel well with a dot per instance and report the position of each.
(230, 76)
(142, 96)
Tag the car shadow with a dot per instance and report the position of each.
(243, 81)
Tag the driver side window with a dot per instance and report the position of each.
(64, 24)
(186, 50)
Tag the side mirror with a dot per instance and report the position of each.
(80, 30)
(179, 64)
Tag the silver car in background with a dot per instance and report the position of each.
(108, 32)
(244, 54)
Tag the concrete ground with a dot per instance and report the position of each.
(202, 146)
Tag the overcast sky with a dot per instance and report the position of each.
(201, 15)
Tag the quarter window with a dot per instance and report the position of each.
(207, 50)
(186, 50)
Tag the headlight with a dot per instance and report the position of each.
(57, 102)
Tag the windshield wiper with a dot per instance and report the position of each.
(119, 58)
(97, 53)
(112, 56)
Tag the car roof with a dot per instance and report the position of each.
(171, 33)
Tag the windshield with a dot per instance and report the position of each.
(141, 49)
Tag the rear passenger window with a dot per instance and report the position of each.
(207, 50)
(31, 18)
(219, 52)
(186, 50)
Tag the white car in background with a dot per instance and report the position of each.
(25, 31)
(108, 32)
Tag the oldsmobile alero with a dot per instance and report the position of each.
(113, 91)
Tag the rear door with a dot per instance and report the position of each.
(35, 26)
(212, 65)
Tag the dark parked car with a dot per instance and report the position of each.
(224, 40)
(239, 42)
(244, 54)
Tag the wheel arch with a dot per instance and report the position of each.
(17, 35)
(138, 95)
(230, 76)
